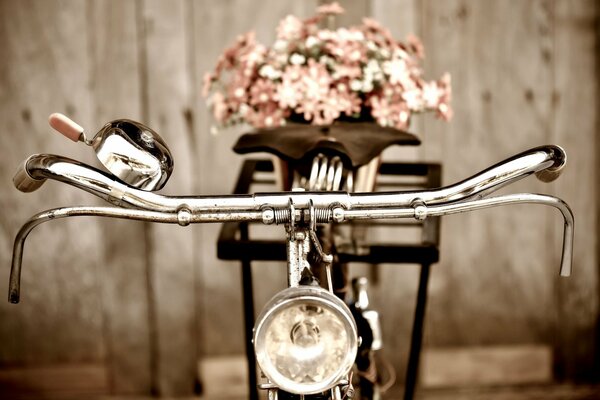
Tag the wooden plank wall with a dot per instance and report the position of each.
(142, 302)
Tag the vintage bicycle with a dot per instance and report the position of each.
(306, 338)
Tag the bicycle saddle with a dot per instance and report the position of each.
(355, 143)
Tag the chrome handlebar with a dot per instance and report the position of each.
(39, 167)
(270, 208)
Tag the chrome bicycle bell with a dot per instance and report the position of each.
(131, 151)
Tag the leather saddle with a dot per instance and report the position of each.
(355, 143)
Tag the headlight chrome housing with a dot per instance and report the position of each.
(305, 340)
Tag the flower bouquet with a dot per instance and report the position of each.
(315, 75)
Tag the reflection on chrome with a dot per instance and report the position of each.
(134, 153)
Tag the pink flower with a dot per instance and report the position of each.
(315, 79)
(416, 46)
(262, 91)
(348, 102)
(345, 47)
(290, 28)
(220, 109)
(229, 57)
(290, 91)
(444, 110)
(324, 75)
(267, 115)
(206, 83)
(309, 108)
(413, 99)
(394, 114)
(330, 9)
(237, 91)
(345, 71)
(378, 34)
(431, 94)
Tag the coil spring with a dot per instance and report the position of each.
(323, 214)
(283, 215)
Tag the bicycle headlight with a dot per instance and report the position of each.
(305, 340)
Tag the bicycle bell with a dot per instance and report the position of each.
(131, 151)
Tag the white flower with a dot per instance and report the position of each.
(267, 71)
(355, 55)
(325, 34)
(244, 108)
(287, 95)
(311, 41)
(413, 99)
(367, 86)
(326, 60)
(281, 58)
(359, 36)
(431, 94)
(385, 53)
(344, 34)
(297, 59)
(342, 87)
(239, 92)
(356, 85)
(372, 67)
(399, 53)
(397, 70)
(280, 45)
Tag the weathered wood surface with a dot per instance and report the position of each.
(44, 67)
(576, 126)
(169, 85)
(146, 301)
(116, 87)
(495, 280)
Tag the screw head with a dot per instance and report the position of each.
(338, 214)
(184, 217)
(420, 212)
(268, 216)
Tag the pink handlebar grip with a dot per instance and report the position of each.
(66, 126)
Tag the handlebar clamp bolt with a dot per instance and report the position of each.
(338, 214)
(420, 212)
(184, 217)
(268, 216)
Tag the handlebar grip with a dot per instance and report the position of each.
(66, 126)
(553, 172)
(25, 182)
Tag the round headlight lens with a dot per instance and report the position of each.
(305, 340)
